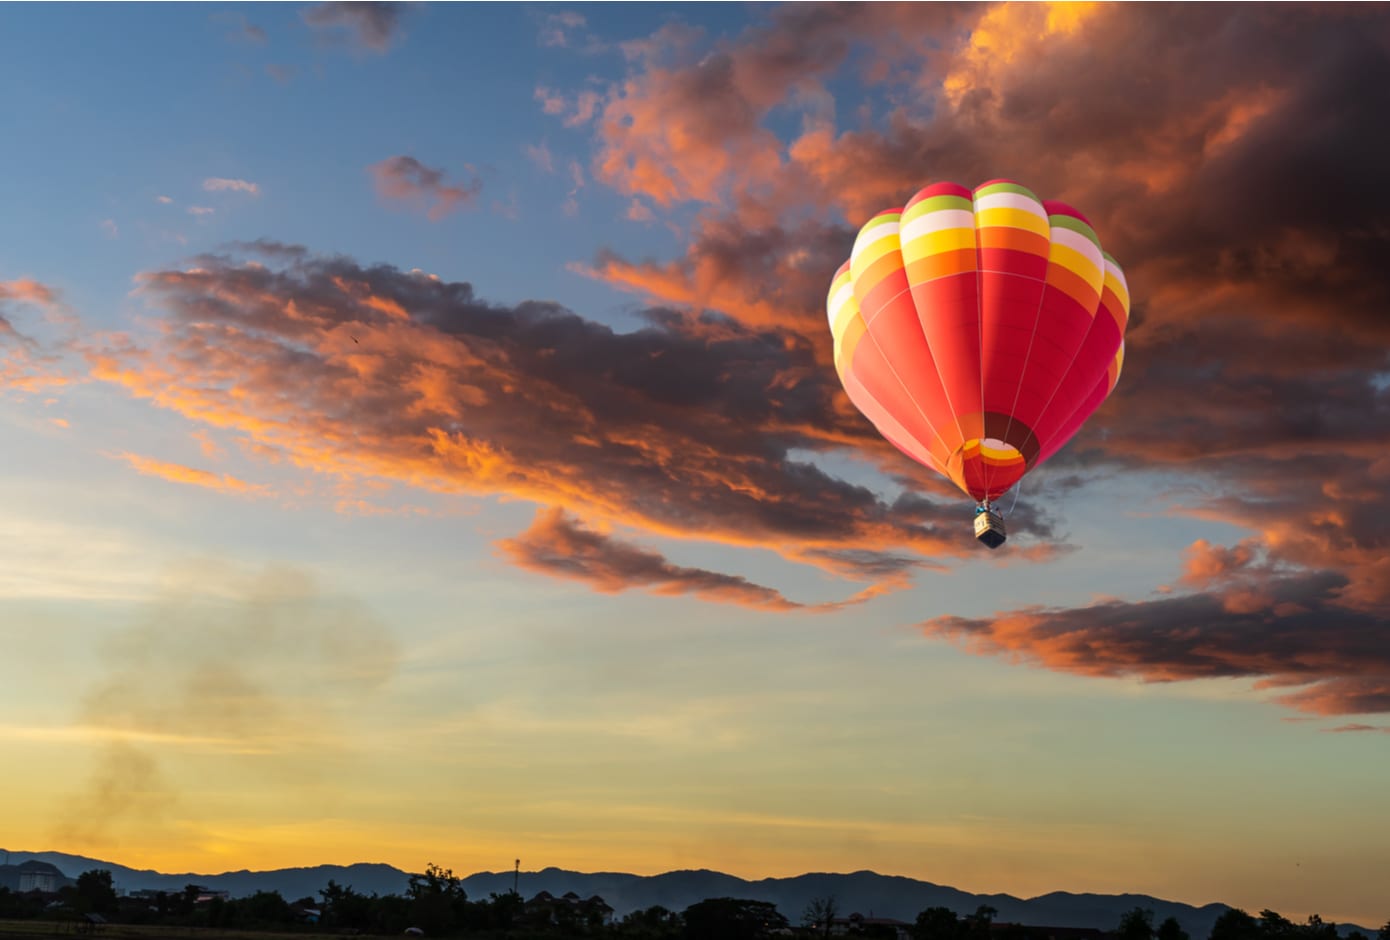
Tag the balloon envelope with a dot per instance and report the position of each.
(978, 329)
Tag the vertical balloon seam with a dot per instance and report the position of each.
(950, 405)
(1107, 263)
(931, 461)
(868, 331)
(906, 387)
(848, 312)
(924, 222)
(1028, 354)
(980, 321)
(1004, 192)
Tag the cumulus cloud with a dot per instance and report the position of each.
(405, 179)
(685, 428)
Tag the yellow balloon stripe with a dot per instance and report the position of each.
(1013, 218)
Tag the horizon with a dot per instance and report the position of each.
(552, 868)
(422, 430)
(751, 879)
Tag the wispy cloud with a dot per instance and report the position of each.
(405, 179)
(557, 544)
(243, 30)
(178, 473)
(558, 27)
(568, 29)
(370, 25)
(28, 365)
(252, 33)
(575, 110)
(540, 155)
(571, 203)
(214, 184)
(27, 291)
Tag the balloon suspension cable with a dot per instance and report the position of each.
(1018, 488)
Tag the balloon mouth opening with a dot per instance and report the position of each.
(994, 451)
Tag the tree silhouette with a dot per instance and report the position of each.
(1137, 924)
(437, 899)
(1235, 924)
(1170, 929)
(821, 913)
(654, 923)
(731, 919)
(1274, 925)
(95, 892)
(938, 923)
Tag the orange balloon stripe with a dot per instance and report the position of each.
(943, 264)
(1014, 239)
(1074, 286)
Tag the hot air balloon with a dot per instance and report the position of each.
(977, 331)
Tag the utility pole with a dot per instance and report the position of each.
(516, 878)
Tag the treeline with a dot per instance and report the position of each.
(436, 905)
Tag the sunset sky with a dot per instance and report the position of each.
(421, 444)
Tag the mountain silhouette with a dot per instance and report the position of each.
(864, 891)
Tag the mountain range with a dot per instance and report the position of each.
(864, 891)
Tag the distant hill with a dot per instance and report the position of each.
(863, 891)
(292, 883)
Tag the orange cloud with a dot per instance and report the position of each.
(405, 179)
(558, 545)
(178, 473)
(1206, 562)
(689, 123)
(27, 365)
(1298, 633)
(683, 429)
(27, 290)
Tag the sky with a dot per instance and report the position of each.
(421, 443)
